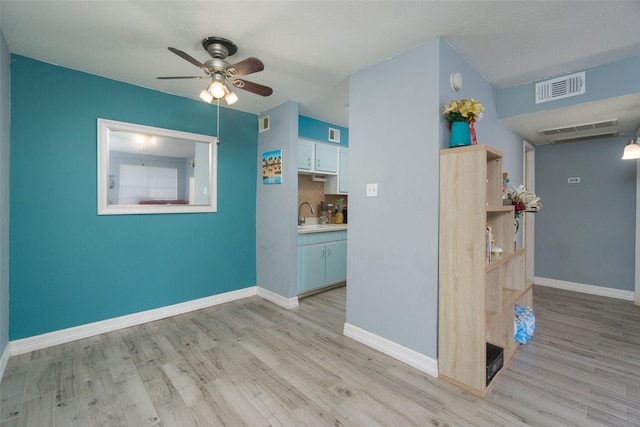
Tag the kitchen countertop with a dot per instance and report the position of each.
(320, 228)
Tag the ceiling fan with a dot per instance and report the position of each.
(222, 73)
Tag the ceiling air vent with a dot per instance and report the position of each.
(581, 127)
(562, 87)
(585, 138)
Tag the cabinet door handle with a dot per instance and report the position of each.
(309, 161)
(318, 163)
(323, 253)
(328, 251)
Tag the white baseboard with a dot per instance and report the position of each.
(411, 357)
(4, 358)
(587, 289)
(277, 299)
(62, 336)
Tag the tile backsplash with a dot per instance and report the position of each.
(313, 192)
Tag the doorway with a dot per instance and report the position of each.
(636, 297)
(528, 234)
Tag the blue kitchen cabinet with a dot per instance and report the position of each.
(336, 262)
(305, 154)
(339, 184)
(311, 267)
(343, 174)
(326, 158)
(322, 260)
(317, 157)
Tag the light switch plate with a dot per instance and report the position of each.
(372, 190)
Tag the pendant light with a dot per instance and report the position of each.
(631, 150)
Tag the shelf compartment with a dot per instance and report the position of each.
(499, 208)
(500, 332)
(514, 271)
(508, 298)
(498, 260)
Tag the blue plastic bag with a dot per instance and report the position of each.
(524, 323)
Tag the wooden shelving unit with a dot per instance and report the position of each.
(476, 297)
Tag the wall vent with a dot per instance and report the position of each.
(264, 123)
(334, 135)
(562, 87)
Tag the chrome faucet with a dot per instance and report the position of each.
(301, 219)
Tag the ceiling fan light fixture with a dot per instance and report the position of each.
(230, 96)
(631, 150)
(206, 96)
(216, 89)
(222, 73)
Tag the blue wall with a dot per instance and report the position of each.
(392, 272)
(605, 81)
(319, 130)
(393, 239)
(489, 130)
(276, 205)
(70, 266)
(585, 232)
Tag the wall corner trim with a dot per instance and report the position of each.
(4, 358)
(277, 299)
(62, 336)
(419, 361)
(586, 289)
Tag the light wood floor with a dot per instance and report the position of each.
(252, 363)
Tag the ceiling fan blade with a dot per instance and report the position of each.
(182, 77)
(189, 58)
(244, 67)
(256, 88)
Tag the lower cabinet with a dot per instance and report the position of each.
(322, 260)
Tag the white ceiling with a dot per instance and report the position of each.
(310, 48)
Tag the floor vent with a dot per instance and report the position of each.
(562, 87)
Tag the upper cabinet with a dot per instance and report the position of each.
(328, 160)
(339, 184)
(317, 157)
(305, 155)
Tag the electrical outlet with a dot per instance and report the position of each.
(372, 190)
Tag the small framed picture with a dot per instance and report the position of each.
(272, 167)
